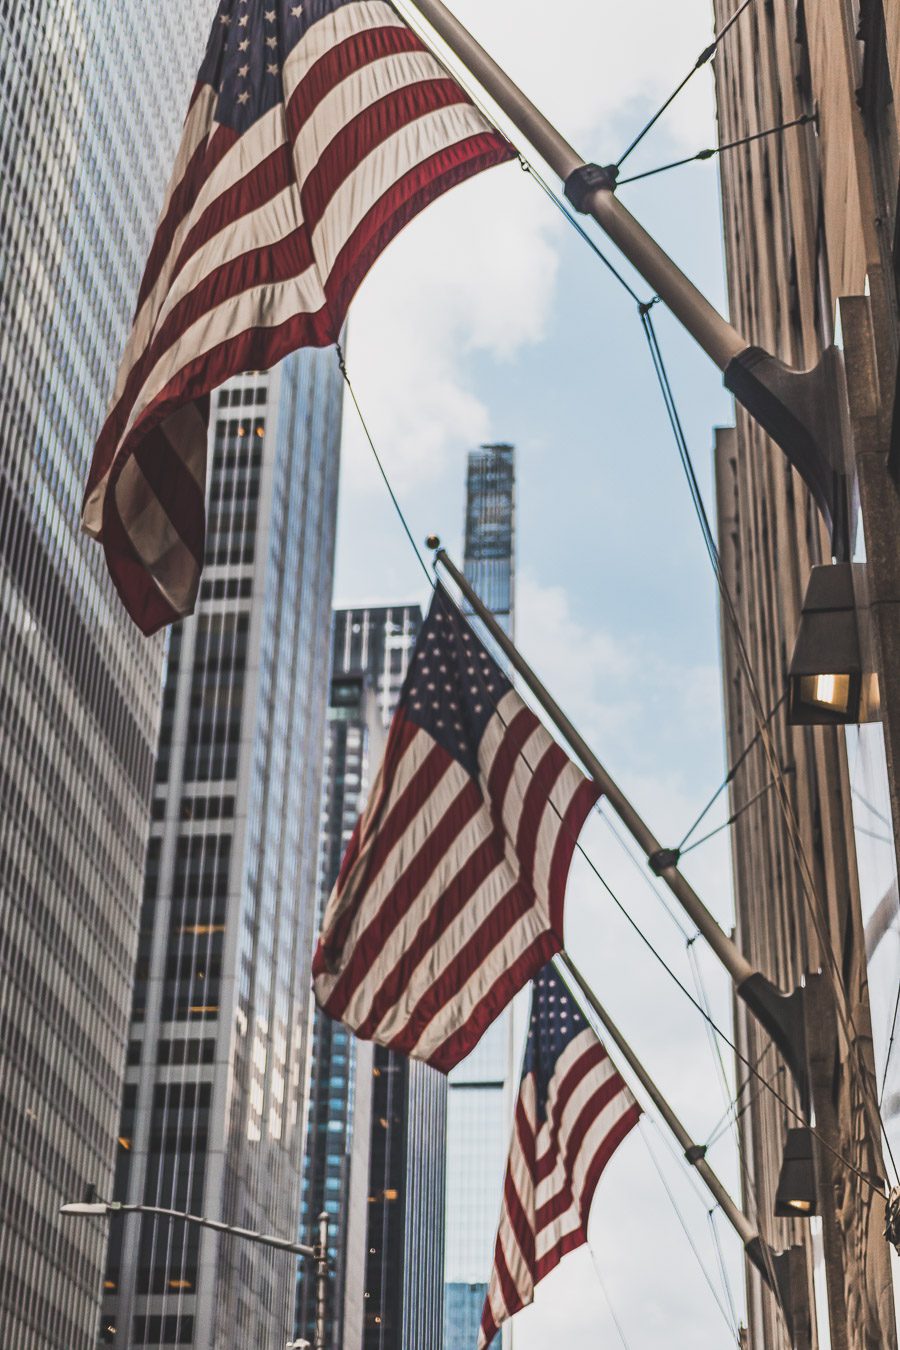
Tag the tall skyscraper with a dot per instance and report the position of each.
(91, 100)
(477, 1110)
(214, 1103)
(375, 1144)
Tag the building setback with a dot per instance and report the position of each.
(214, 1102)
(83, 166)
(478, 1115)
(375, 1143)
(810, 217)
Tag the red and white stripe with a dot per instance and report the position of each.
(451, 894)
(262, 242)
(553, 1171)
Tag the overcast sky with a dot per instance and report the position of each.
(490, 319)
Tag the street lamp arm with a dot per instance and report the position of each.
(264, 1239)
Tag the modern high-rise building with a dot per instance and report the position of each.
(91, 101)
(375, 1144)
(811, 243)
(214, 1104)
(478, 1116)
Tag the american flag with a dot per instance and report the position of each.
(450, 896)
(317, 130)
(572, 1113)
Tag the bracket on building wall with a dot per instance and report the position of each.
(805, 413)
(785, 1274)
(783, 1017)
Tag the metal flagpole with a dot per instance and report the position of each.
(781, 1014)
(695, 1153)
(805, 412)
(321, 1255)
(769, 1263)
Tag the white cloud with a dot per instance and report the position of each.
(587, 65)
(608, 684)
(474, 274)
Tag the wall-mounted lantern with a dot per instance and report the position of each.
(828, 684)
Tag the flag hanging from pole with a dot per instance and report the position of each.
(572, 1113)
(450, 896)
(317, 130)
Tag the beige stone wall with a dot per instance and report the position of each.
(809, 217)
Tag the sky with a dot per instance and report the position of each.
(490, 319)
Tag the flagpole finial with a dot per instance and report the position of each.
(433, 541)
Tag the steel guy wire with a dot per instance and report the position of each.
(705, 56)
(381, 469)
(730, 1321)
(723, 1268)
(808, 887)
(612, 1312)
(729, 777)
(632, 922)
(579, 848)
(712, 151)
(890, 1049)
(524, 162)
(735, 815)
(715, 1047)
(689, 941)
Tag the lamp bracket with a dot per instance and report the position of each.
(696, 1153)
(805, 413)
(783, 1017)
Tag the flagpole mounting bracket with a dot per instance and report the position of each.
(784, 1017)
(785, 1274)
(581, 184)
(805, 413)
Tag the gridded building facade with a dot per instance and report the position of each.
(82, 162)
(477, 1110)
(214, 1102)
(375, 1144)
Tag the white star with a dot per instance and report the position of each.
(242, 46)
(243, 71)
(270, 16)
(243, 20)
(225, 19)
(296, 10)
(244, 97)
(272, 42)
(272, 70)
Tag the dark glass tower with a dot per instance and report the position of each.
(214, 1104)
(91, 101)
(375, 1145)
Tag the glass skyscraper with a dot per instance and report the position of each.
(375, 1145)
(91, 101)
(214, 1104)
(478, 1116)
